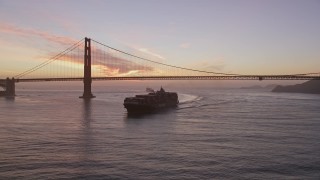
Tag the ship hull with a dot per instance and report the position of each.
(132, 108)
(139, 109)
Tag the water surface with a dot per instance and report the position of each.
(212, 134)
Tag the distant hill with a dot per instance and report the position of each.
(312, 86)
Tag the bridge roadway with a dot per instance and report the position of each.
(243, 77)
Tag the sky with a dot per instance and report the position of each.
(228, 36)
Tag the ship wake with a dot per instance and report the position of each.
(188, 101)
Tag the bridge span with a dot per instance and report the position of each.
(110, 61)
(244, 77)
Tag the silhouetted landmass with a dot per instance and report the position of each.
(312, 87)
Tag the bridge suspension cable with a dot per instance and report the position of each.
(195, 70)
(168, 65)
(52, 59)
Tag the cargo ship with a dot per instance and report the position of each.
(151, 102)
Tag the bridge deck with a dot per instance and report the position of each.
(248, 77)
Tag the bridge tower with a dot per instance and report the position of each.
(87, 80)
(10, 87)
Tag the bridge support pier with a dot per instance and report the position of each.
(87, 80)
(10, 88)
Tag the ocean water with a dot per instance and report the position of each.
(212, 134)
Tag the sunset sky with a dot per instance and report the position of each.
(230, 36)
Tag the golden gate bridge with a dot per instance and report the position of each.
(89, 60)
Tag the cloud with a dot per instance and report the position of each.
(143, 52)
(212, 66)
(185, 45)
(110, 64)
(27, 32)
(118, 66)
(147, 51)
(113, 65)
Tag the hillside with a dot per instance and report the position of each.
(312, 86)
